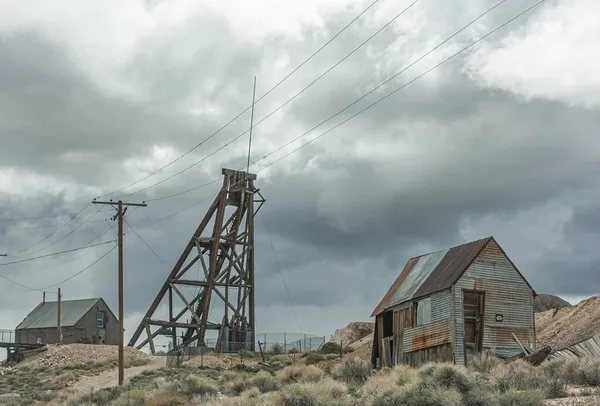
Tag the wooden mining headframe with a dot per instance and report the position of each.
(226, 257)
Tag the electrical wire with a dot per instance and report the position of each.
(353, 103)
(61, 282)
(54, 254)
(41, 227)
(69, 233)
(55, 231)
(80, 272)
(321, 76)
(147, 245)
(368, 107)
(250, 106)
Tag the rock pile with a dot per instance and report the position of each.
(71, 354)
(560, 328)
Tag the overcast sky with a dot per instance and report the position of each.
(501, 140)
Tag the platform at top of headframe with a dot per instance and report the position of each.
(233, 172)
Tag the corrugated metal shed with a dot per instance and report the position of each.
(431, 273)
(45, 314)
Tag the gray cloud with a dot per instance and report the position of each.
(344, 213)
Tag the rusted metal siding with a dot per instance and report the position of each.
(507, 295)
(426, 336)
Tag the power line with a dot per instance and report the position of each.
(321, 76)
(368, 107)
(148, 246)
(359, 99)
(64, 280)
(69, 233)
(248, 108)
(54, 254)
(57, 230)
(46, 226)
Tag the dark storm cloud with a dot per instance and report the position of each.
(440, 152)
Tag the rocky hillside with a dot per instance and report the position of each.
(562, 327)
(545, 302)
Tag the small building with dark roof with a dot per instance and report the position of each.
(82, 321)
(450, 305)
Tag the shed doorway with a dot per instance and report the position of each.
(473, 308)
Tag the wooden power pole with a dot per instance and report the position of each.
(121, 209)
(58, 330)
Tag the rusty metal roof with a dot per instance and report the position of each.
(451, 268)
(431, 273)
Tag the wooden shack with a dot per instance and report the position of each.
(452, 304)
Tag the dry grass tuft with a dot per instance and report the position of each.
(353, 371)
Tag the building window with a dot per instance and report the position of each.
(422, 312)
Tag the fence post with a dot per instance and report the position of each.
(305, 341)
(284, 343)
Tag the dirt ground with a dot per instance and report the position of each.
(560, 328)
(109, 378)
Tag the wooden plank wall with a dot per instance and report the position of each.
(440, 353)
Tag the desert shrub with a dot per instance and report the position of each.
(556, 387)
(101, 397)
(419, 394)
(353, 371)
(427, 369)
(555, 367)
(314, 358)
(589, 371)
(165, 399)
(131, 397)
(514, 397)
(450, 377)
(348, 349)
(235, 386)
(330, 348)
(402, 374)
(264, 382)
(377, 385)
(300, 373)
(326, 392)
(518, 375)
(480, 397)
(245, 354)
(276, 349)
(196, 385)
(485, 362)
(293, 350)
(135, 362)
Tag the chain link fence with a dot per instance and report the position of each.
(274, 343)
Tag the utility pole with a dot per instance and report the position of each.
(119, 216)
(58, 330)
